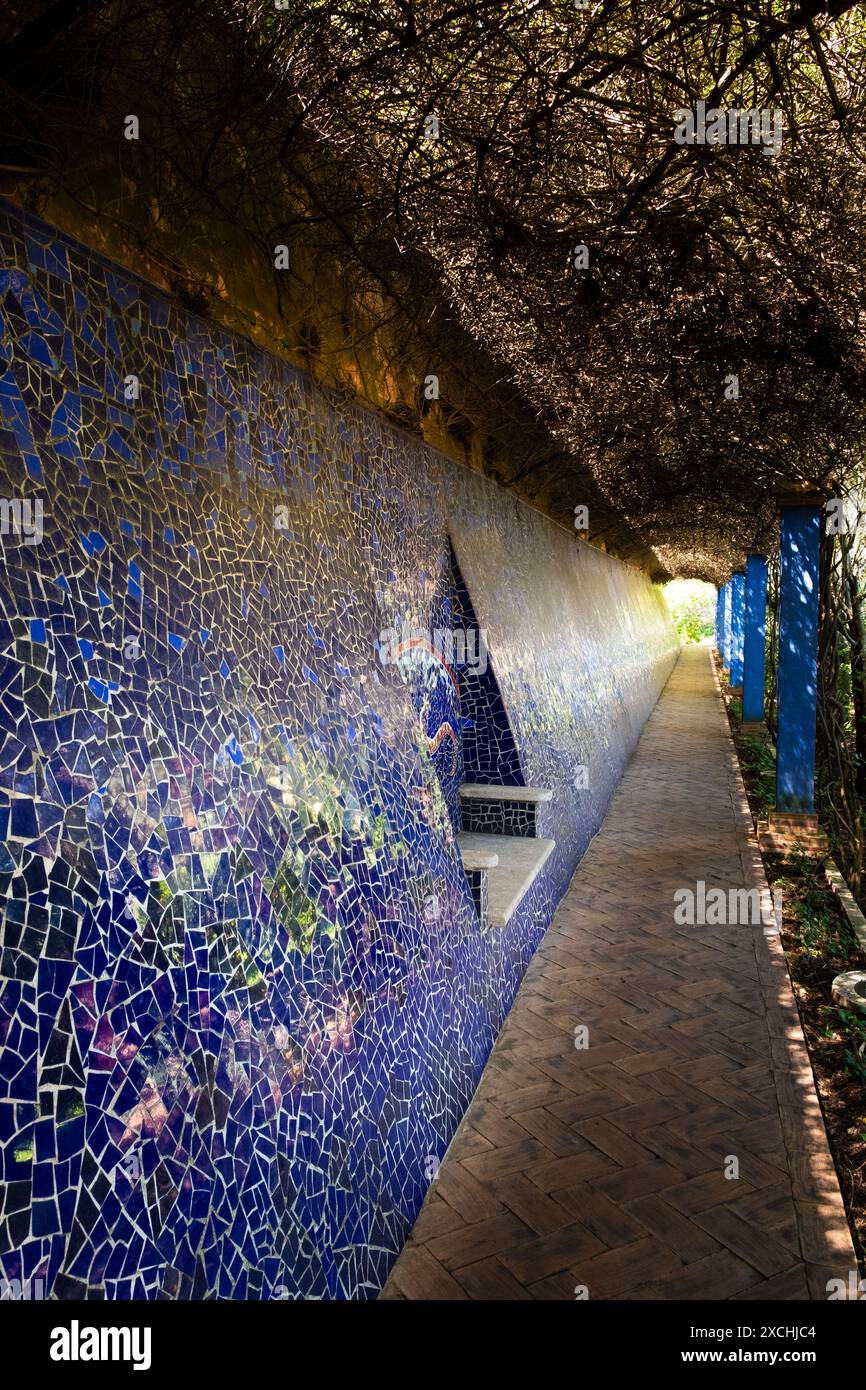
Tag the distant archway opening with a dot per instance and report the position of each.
(692, 604)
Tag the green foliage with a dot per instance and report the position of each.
(825, 938)
(853, 1029)
(819, 934)
(823, 934)
(758, 754)
(692, 604)
(759, 760)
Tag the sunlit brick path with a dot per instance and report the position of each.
(605, 1167)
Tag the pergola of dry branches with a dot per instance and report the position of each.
(454, 156)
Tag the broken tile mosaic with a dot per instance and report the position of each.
(245, 996)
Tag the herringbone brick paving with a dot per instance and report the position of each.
(606, 1167)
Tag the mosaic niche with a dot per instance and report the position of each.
(244, 997)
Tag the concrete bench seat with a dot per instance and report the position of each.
(474, 857)
(481, 791)
(519, 860)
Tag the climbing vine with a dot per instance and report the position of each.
(841, 712)
(682, 315)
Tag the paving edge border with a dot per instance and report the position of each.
(843, 988)
(847, 901)
(796, 1101)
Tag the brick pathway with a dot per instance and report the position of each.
(605, 1167)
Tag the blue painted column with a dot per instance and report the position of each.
(738, 604)
(754, 640)
(799, 568)
(720, 619)
(726, 652)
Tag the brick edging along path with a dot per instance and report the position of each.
(605, 1167)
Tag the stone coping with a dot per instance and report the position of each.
(479, 791)
(848, 902)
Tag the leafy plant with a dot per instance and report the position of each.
(759, 762)
(819, 934)
(853, 1029)
(758, 754)
(692, 605)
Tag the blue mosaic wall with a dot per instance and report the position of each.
(489, 751)
(580, 645)
(244, 996)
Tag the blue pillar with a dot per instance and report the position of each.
(738, 603)
(799, 569)
(720, 618)
(754, 641)
(726, 653)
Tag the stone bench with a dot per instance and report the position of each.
(478, 860)
(504, 867)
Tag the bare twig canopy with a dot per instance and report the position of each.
(649, 220)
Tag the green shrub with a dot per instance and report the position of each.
(692, 605)
(759, 762)
(853, 1029)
